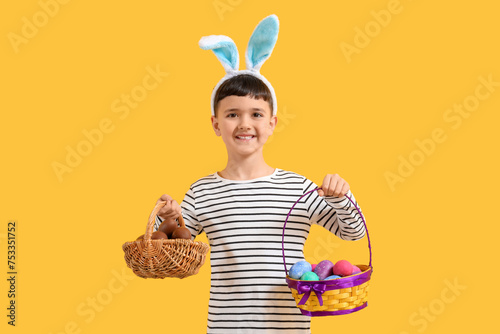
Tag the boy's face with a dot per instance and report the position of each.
(244, 124)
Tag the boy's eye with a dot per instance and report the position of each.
(231, 115)
(256, 114)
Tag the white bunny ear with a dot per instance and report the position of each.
(224, 48)
(262, 42)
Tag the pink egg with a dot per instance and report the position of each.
(313, 266)
(342, 268)
(355, 270)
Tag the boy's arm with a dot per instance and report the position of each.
(188, 207)
(157, 223)
(338, 215)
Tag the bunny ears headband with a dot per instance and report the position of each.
(260, 47)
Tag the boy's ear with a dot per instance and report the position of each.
(215, 125)
(272, 123)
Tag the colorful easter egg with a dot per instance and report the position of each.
(313, 266)
(309, 276)
(299, 269)
(342, 268)
(355, 270)
(333, 277)
(324, 269)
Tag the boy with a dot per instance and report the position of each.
(242, 210)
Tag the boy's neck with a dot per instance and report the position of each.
(246, 170)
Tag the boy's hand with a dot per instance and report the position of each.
(333, 185)
(171, 209)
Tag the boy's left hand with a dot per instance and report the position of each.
(333, 185)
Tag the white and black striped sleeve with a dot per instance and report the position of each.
(188, 213)
(337, 215)
(188, 207)
(158, 221)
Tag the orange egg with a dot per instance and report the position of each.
(158, 235)
(140, 238)
(181, 233)
(168, 226)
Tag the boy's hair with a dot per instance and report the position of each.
(244, 85)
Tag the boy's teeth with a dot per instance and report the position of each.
(245, 137)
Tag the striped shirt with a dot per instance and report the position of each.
(243, 221)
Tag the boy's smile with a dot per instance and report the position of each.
(244, 123)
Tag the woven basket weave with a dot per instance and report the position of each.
(331, 297)
(163, 258)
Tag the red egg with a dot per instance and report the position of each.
(342, 268)
(313, 266)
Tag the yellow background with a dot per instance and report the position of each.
(356, 118)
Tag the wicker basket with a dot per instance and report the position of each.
(331, 297)
(163, 258)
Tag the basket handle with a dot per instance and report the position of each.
(286, 220)
(152, 218)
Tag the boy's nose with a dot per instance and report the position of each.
(244, 123)
(244, 126)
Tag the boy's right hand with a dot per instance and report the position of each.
(171, 209)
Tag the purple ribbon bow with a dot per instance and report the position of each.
(306, 287)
